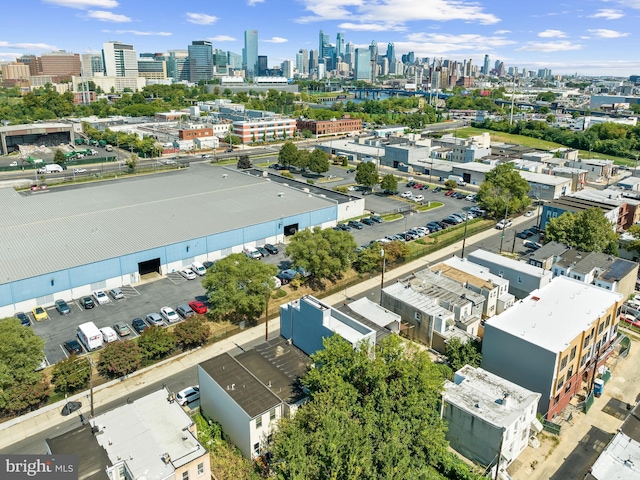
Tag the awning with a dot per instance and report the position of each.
(536, 426)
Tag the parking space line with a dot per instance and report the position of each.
(64, 352)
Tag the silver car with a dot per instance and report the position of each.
(116, 293)
(154, 319)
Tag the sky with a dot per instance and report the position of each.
(588, 37)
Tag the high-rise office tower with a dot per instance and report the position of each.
(219, 62)
(250, 53)
(340, 45)
(234, 60)
(391, 53)
(363, 68)
(304, 67)
(178, 65)
(60, 64)
(119, 60)
(262, 65)
(200, 61)
(323, 43)
(485, 68)
(299, 64)
(313, 60)
(373, 56)
(287, 69)
(91, 64)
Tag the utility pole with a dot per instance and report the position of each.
(91, 383)
(266, 313)
(504, 224)
(464, 235)
(384, 264)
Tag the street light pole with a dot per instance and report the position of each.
(266, 314)
(91, 383)
(464, 236)
(504, 224)
(384, 264)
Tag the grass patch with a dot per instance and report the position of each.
(392, 216)
(424, 208)
(327, 179)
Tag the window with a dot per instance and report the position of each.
(568, 387)
(570, 372)
(417, 316)
(258, 422)
(201, 469)
(572, 355)
(600, 328)
(583, 360)
(256, 448)
(563, 363)
(556, 399)
(606, 324)
(524, 435)
(185, 475)
(272, 415)
(560, 383)
(586, 341)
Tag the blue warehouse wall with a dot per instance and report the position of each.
(129, 263)
(94, 272)
(188, 249)
(223, 240)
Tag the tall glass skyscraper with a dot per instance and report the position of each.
(485, 67)
(340, 45)
(250, 53)
(391, 53)
(363, 64)
(200, 61)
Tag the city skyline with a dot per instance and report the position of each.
(592, 38)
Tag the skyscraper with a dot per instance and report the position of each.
(219, 62)
(178, 65)
(119, 60)
(391, 53)
(486, 65)
(340, 45)
(304, 67)
(287, 69)
(313, 60)
(362, 69)
(373, 57)
(250, 53)
(323, 43)
(200, 61)
(234, 60)
(262, 65)
(91, 64)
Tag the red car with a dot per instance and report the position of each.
(417, 185)
(449, 193)
(198, 307)
(631, 320)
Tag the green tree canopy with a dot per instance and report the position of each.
(367, 174)
(119, 358)
(588, 230)
(192, 333)
(389, 183)
(369, 417)
(288, 154)
(59, 158)
(503, 188)
(318, 161)
(156, 342)
(244, 162)
(323, 253)
(236, 286)
(71, 374)
(461, 354)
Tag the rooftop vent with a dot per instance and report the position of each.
(166, 458)
(281, 194)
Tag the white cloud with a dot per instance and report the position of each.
(501, 32)
(84, 4)
(561, 46)
(607, 14)
(107, 16)
(139, 33)
(201, 18)
(253, 3)
(396, 11)
(370, 27)
(222, 38)
(276, 40)
(27, 46)
(552, 34)
(605, 33)
(459, 46)
(630, 3)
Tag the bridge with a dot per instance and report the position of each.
(375, 93)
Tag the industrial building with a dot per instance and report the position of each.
(68, 242)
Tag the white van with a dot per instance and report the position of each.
(90, 336)
(458, 179)
(198, 268)
(108, 334)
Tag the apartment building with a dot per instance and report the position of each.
(553, 341)
(264, 129)
(335, 126)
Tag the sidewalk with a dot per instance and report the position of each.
(47, 417)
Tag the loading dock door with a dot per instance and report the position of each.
(466, 177)
(150, 266)
(290, 229)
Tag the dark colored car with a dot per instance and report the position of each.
(62, 307)
(73, 347)
(424, 187)
(535, 229)
(532, 245)
(271, 248)
(207, 264)
(263, 251)
(344, 226)
(437, 189)
(228, 150)
(433, 226)
(87, 302)
(525, 234)
(376, 218)
(442, 225)
(410, 184)
(355, 224)
(185, 311)
(351, 170)
(368, 221)
(450, 221)
(139, 325)
(24, 319)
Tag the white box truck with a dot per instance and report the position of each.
(458, 179)
(51, 168)
(90, 336)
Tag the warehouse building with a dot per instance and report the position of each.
(71, 241)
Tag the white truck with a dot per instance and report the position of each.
(90, 336)
(51, 168)
(458, 179)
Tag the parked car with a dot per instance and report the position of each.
(287, 275)
(502, 224)
(206, 155)
(525, 234)
(344, 226)
(351, 170)
(376, 218)
(100, 297)
(418, 198)
(198, 307)
(630, 320)
(108, 334)
(188, 395)
(155, 319)
(437, 190)
(207, 264)
(470, 197)
(62, 307)
(87, 303)
(529, 213)
(13, 164)
(73, 347)
(122, 329)
(535, 229)
(24, 319)
(448, 193)
(407, 194)
(270, 248)
(532, 245)
(139, 325)
(252, 253)
(169, 314)
(434, 227)
(39, 314)
(368, 222)
(78, 171)
(228, 150)
(451, 220)
(263, 251)
(188, 274)
(356, 224)
(185, 311)
(116, 294)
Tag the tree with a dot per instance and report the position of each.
(21, 353)
(369, 259)
(367, 174)
(502, 189)
(71, 374)
(303, 159)
(394, 251)
(389, 183)
(368, 417)
(323, 253)
(156, 342)
(306, 133)
(237, 286)
(59, 157)
(132, 163)
(460, 354)
(244, 162)
(288, 154)
(318, 161)
(450, 184)
(191, 333)
(588, 230)
(119, 358)
(233, 139)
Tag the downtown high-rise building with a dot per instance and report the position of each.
(313, 61)
(263, 65)
(340, 46)
(302, 61)
(391, 53)
(362, 70)
(234, 60)
(91, 64)
(250, 53)
(323, 44)
(200, 61)
(373, 57)
(287, 68)
(485, 68)
(178, 65)
(119, 60)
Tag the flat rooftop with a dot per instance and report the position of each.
(482, 394)
(23, 128)
(620, 460)
(92, 458)
(490, 257)
(83, 224)
(464, 271)
(552, 316)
